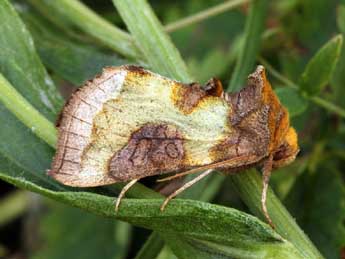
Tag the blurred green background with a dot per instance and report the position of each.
(301, 49)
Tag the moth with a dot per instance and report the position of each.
(129, 123)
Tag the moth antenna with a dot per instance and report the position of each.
(123, 192)
(266, 174)
(184, 187)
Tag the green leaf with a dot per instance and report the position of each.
(72, 233)
(73, 61)
(191, 219)
(292, 100)
(24, 155)
(250, 48)
(205, 250)
(20, 64)
(150, 37)
(15, 103)
(320, 208)
(320, 68)
(88, 21)
(311, 22)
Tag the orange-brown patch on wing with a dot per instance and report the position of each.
(136, 70)
(187, 97)
(248, 138)
(278, 121)
(288, 150)
(259, 122)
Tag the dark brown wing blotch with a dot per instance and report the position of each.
(153, 149)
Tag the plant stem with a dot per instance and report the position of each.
(315, 99)
(249, 185)
(328, 105)
(26, 113)
(252, 39)
(93, 24)
(203, 15)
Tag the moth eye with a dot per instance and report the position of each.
(172, 150)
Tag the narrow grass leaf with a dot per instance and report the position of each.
(20, 64)
(149, 36)
(320, 68)
(24, 155)
(251, 46)
(72, 60)
(91, 23)
(26, 113)
(205, 14)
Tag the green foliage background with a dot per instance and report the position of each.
(49, 47)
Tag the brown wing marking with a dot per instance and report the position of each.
(153, 149)
(256, 120)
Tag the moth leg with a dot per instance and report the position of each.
(178, 175)
(266, 174)
(122, 193)
(184, 187)
(226, 163)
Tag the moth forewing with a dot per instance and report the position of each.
(129, 123)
